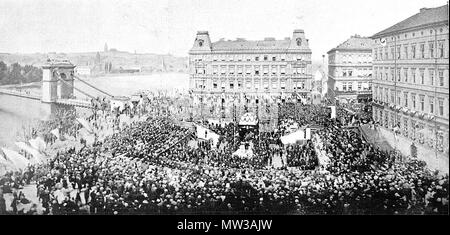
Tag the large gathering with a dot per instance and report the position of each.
(155, 165)
(193, 110)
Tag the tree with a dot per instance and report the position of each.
(97, 57)
(3, 72)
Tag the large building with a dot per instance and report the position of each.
(248, 73)
(411, 83)
(350, 70)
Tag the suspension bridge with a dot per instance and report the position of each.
(58, 87)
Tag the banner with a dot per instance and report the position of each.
(17, 160)
(55, 132)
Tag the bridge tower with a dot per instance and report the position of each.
(57, 80)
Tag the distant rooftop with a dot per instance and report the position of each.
(426, 16)
(355, 42)
(58, 63)
(242, 44)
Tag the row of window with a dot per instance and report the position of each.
(413, 34)
(414, 51)
(255, 85)
(411, 75)
(356, 59)
(410, 100)
(408, 126)
(282, 57)
(365, 72)
(348, 86)
(256, 70)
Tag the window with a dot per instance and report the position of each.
(392, 97)
(239, 84)
(303, 85)
(215, 58)
(274, 58)
(239, 70)
(375, 54)
(215, 85)
(405, 73)
(441, 107)
(392, 52)
(359, 86)
(215, 69)
(274, 85)
(431, 99)
(256, 84)
(266, 84)
(283, 84)
(406, 52)
(413, 51)
(392, 75)
(431, 49)
(344, 73)
(386, 54)
(265, 58)
(283, 57)
(248, 69)
(398, 52)
(413, 73)
(266, 69)
(399, 98)
(413, 100)
(350, 86)
(223, 69)
(422, 102)
(386, 95)
(431, 72)
(256, 58)
(405, 97)
(422, 50)
(231, 85)
(249, 84)
(274, 69)
(350, 73)
(256, 70)
(398, 75)
(283, 69)
(441, 49)
(441, 77)
(422, 76)
(231, 69)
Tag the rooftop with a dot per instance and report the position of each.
(426, 16)
(355, 42)
(242, 44)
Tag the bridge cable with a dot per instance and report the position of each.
(65, 82)
(81, 80)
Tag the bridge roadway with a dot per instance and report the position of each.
(71, 102)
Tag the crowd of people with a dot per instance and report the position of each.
(151, 167)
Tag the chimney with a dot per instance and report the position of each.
(423, 9)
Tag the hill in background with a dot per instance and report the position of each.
(111, 61)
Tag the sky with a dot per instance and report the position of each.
(170, 26)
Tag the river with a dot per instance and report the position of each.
(15, 112)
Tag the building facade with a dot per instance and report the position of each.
(350, 70)
(411, 81)
(229, 74)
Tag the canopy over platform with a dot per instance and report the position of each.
(248, 119)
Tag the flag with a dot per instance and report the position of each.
(55, 132)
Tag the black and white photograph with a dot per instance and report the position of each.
(224, 107)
